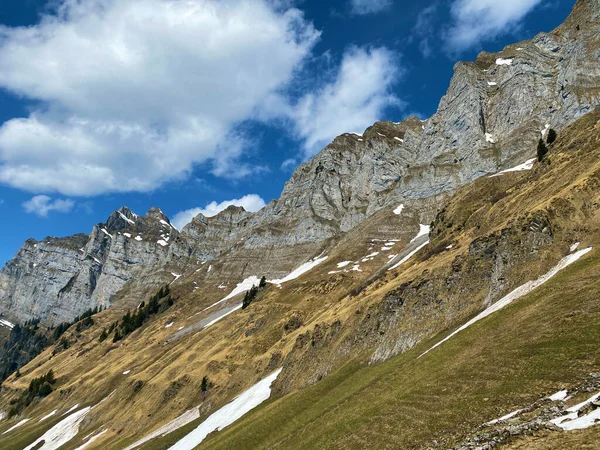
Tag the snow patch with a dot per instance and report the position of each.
(490, 138)
(138, 238)
(517, 293)
(229, 413)
(399, 139)
(492, 83)
(573, 421)
(181, 421)
(574, 247)
(162, 242)
(169, 325)
(527, 165)
(16, 426)
(7, 324)
(127, 372)
(506, 417)
(176, 275)
(299, 271)
(61, 433)
(398, 210)
(48, 415)
(410, 255)
(343, 264)
(504, 62)
(545, 130)
(72, 408)
(106, 232)
(92, 439)
(125, 218)
(560, 395)
(423, 231)
(127, 234)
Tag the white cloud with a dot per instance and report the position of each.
(42, 205)
(424, 29)
(475, 21)
(350, 103)
(250, 202)
(363, 7)
(133, 93)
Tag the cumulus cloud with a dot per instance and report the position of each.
(475, 21)
(363, 7)
(41, 205)
(351, 102)
(134, 93)
(250, 202)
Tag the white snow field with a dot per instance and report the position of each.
(16, 425)
(244, 286)
(423, 231)
(572, 420)
(504, 62)
(229, 413)
(527, 165)
(181, 421)
(300, 270)
(517, 293)
(92, 439)
(48, 415)
(560, 395)
(61, 433)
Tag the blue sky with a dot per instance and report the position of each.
(191, 105)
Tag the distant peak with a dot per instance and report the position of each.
(157, 214)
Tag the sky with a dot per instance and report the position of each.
(195, 105)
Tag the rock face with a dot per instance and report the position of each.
(57, 279)
(495, 110)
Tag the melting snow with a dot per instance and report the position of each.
(138, 238)
(7, 324)
(225, 314)
(343, 264)
(357, 134)
(492, 83)
(72, 408)
(386, 249)
(545, 130)
(560, 395)
(221, 286)
(127, 372)
(398, 210)
(169, 325)
(229, 413)
(48, 416)
(489, 138)
(573, 421)
(527, 165)
(92, 439)
(574, 247)
(506, 417)
(181, 421)
(410, 255)
(176, 275)
(300, 270)
(383, 135)
(517, 293)
(162, 242)
(61, 433)
(240, 288)
(106, 233)
(127, 219)
(356, 268)
(209, 269)
(370, 256)
(504, 62)
(127, 234)
(16, 426)
(398, 139)
(423, 231)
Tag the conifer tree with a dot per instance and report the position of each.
(541, 150)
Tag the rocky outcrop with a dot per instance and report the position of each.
(495, 110)
(57, 279)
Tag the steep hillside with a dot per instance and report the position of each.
(379, 247)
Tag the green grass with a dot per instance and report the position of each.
(535, 346)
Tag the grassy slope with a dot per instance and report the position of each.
(534, 347)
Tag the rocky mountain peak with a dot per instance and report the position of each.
(157, 214)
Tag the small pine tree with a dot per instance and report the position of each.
(49, 377)
(551, 136)
(204, 384)
(263, 282)
(18, 374)
(541, 150)
(103, 335)
(117, 336)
